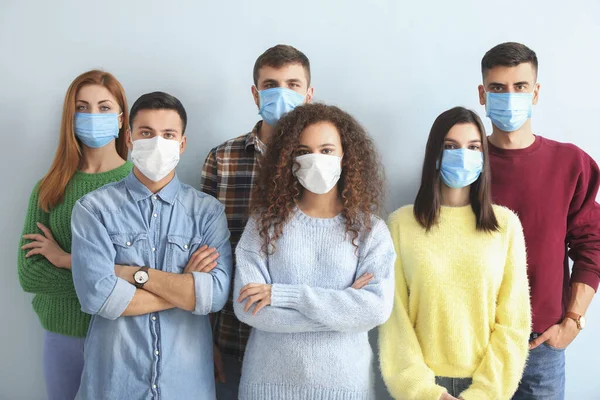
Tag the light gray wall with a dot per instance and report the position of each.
(395, 65)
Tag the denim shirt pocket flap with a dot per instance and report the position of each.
(128, 240)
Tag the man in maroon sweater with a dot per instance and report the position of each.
(552, 186)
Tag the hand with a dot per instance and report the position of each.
(255, 293)
(559, 335)
(219, 368)
(362, 281)
(47, 247)
(447, 396)
(203, 260)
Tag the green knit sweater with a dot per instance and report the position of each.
(55, 300)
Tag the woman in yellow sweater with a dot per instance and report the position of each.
(461, 320)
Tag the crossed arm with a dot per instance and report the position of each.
(107, 290)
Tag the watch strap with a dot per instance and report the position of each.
(575, 317)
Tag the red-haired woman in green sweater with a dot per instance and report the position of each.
(92, 152)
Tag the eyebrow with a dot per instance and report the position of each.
(145, 127)
(295, 80)
(521, 83)
(320, 147)
(101, 101)
(454, 141)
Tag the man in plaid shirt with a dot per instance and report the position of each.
(281, 82)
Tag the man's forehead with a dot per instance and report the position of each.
(523, 72)
(158, 120)
(283, 73)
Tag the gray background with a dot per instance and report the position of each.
(395, 65)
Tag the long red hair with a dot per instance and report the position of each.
(68, 155)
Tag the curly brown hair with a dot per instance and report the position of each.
(361, 184)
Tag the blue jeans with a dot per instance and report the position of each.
(454, 386)
(63, 364)
(544, 376)
(233, 374)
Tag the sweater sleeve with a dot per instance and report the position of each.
(403, 367)
(36, 273)
(251, 267)
(500, 370)
(349, 310)
(583, 226)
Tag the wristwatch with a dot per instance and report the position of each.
(140, 277)
(579, 319)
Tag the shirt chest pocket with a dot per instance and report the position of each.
(179, 250)
(131, 249)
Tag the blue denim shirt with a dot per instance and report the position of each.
(161, 355)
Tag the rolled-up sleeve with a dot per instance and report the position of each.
(212, 288)
(99, 290)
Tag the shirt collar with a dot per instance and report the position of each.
(139, 191)
(253, 141)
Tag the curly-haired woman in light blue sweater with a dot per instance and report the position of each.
(314, 265)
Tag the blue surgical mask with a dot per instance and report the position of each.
(509, 111)
(96, 130)
(461, 167)
(275, 102)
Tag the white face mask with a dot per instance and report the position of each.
(156, 157)
(318, 173)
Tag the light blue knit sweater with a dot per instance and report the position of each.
(312, 342)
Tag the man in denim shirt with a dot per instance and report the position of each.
(151, 258)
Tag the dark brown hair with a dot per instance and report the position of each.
(428, 202)
(360, 186)
(279, 56)
(508, 54)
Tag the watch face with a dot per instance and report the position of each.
(582, 322)
(141, 277)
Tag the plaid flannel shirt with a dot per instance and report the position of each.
(229, 174)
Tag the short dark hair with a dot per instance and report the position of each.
(509, 54)
(428, 202)
(158, 101)
(279, 56)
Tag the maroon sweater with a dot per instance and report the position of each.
(552, 187)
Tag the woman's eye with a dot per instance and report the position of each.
(301, 152)
(80, 108)
(449, 146)
(475, 147)
(104, 108)
(327, 151)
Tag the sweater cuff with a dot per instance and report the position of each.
(476, 393)
(435, 392)
(588, 277)
(285, 296)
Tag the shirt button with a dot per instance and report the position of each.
(185, 246)
(153, 386)
(128, 243)
(155, 198)
(156, 352)
(155, 215)
(154, 249)
(153, 318)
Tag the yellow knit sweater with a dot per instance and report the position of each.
(461, 306)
